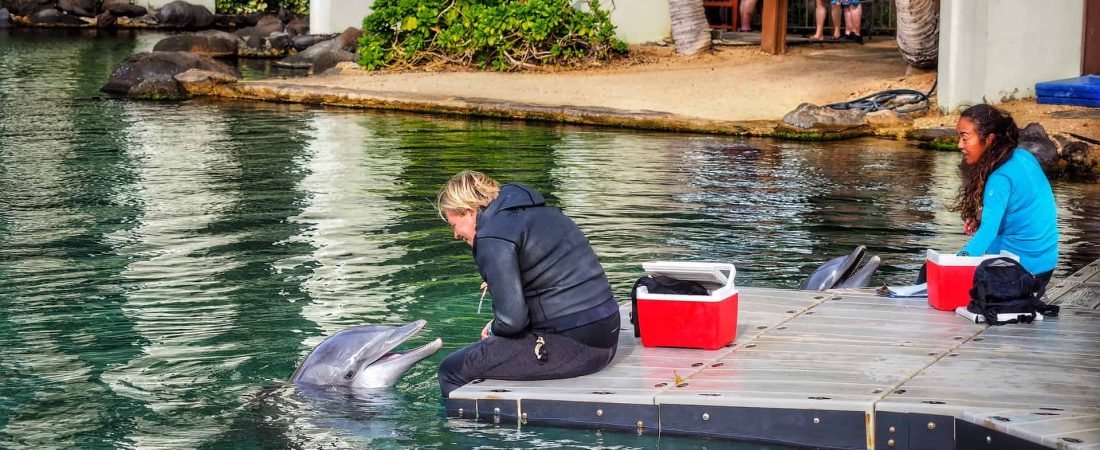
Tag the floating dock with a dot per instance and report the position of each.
(841, 370)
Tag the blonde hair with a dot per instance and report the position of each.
(468, 190)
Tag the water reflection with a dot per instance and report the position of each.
(178, 306)
(165, 266)
(350, 175)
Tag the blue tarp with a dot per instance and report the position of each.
(1081, 91)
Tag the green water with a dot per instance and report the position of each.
(164, 266)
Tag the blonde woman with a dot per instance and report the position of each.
(553, 312)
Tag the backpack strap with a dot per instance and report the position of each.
(634, 306)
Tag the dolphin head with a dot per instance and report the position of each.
(361, 357)
(834, 272)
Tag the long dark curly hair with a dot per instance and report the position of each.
(987, 120)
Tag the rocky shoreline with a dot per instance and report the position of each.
(187, 64)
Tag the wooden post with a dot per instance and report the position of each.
(773, 34)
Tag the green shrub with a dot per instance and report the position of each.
(497, 34)
(252, 6)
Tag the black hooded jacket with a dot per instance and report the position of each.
(541, 270)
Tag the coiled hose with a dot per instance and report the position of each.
(899, 100)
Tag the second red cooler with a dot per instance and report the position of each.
(950, 278)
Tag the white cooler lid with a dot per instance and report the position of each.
(701, 272)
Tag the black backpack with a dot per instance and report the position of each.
(660, 285)
(1003, 286)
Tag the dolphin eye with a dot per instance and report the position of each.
(347, 376)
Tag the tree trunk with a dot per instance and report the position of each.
(919, 32)
(690, 30)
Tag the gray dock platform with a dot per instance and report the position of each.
(840, 369)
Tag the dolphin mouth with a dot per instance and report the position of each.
(420, 352)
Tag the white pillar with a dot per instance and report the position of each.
(334, 16)
(992, 51)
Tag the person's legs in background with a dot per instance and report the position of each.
(747, 8)
(853, 14)
(819, 15)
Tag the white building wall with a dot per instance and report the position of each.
(335, 16)
(992, 51)
(640, 21)
(636, 21)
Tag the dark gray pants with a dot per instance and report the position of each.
(513, 358)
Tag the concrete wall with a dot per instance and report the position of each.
(996, 50)
(636, 21)
(640, 21)
(157, 4)
(334, 16)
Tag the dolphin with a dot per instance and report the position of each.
(834, 272)
(862, 277)
(361, 357)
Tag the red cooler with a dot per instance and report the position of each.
(691, 321)
(950, 278)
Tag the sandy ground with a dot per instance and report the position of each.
(731, 83)
(727, 84)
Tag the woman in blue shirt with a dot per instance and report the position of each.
(1005, 200)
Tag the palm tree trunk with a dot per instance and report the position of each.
(919, 32)
(690, 30)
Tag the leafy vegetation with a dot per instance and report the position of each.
(497, 34)
(253, 6)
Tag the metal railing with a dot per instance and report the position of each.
(879, 17)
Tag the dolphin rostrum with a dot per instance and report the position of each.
(862, 277)
(361, 357)
(834, 272)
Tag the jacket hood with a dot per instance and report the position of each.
(512, 196)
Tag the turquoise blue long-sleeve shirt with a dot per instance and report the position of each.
(1018, 215)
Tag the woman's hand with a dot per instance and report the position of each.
(970, 226)
(485, 331)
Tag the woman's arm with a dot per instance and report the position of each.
(499, 265)
(994, 204)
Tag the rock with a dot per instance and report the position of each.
(306, 41)
(281, 41)
(180, 14)
(1034, 139)
(306, 58)
(27, 7)
(297, 26)
(275, 46)
(328, 60)
(83, 8)
(210, 43)
(1080, 162)
(229, 20)
(54, 17)
(935, 138)
(151, 75)
(5, 18)
(349, 39)
(266, 26)
(251, 19)
(202, 82)
(257, 40)
(888, 118)
(811, 116)
(122, 8)
(105, 20)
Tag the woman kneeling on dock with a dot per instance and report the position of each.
(553, 312)
(1006, 187)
